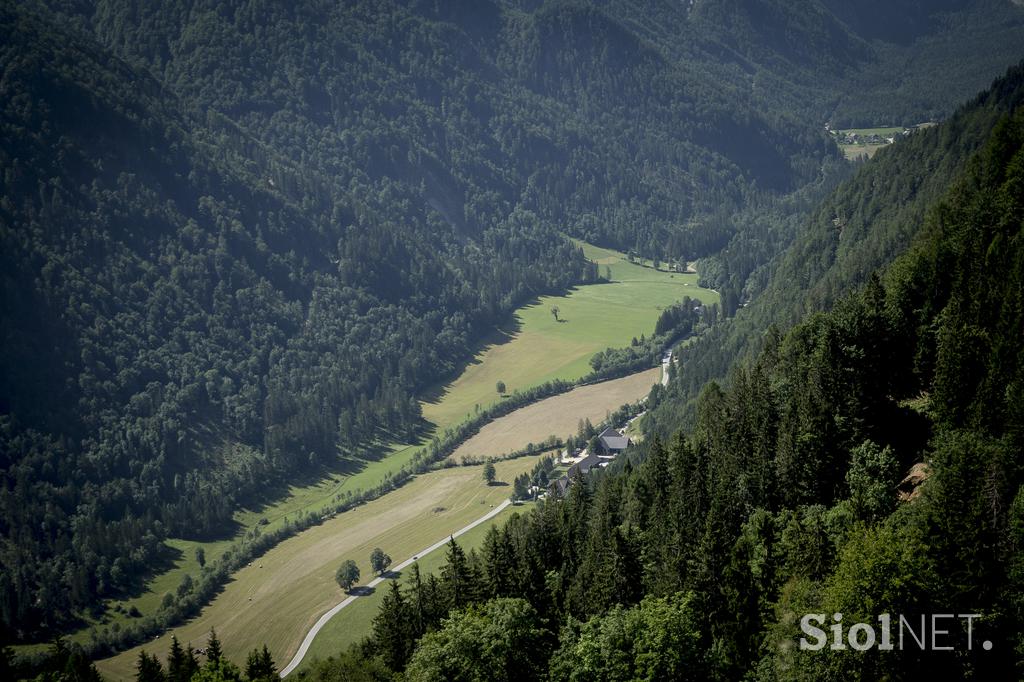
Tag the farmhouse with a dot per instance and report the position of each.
(584, 465)
(611, 442)
(579, 468)
(560, 486)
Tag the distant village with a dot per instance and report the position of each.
(854, 142)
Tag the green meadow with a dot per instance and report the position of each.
(532, 348)
(535, 347)
(873, 131)
(356, 621)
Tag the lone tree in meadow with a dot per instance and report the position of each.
(500, 387)
(555, 311)
(490, 473)
(379, 561)
(347, 575)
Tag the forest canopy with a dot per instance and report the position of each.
(239, 240)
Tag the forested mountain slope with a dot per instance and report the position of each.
(181, 324)
(858, 229)
(937, 43)
(238, 238)
(699, 562)
(474, 108)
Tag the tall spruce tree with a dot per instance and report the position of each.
(393, 628)
(213, 648)
(457, 577)
(148, 669)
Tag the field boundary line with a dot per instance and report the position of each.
(315, 630)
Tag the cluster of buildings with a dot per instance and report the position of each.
(609, 444)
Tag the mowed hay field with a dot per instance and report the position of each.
(596, 317)
(854, 151)
(866, 149)
(557, 416)
(293, 583)
(355, 621)
(298, 499)
(593, 317)
(276, 599)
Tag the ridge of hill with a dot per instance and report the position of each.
(240, 237)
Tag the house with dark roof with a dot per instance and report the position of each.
(584, 465)
(560, 486)
(580, 468)
(611, 442)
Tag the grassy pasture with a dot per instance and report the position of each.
(296, 499)
(853, 151)
(884, 132)
(293, 583)
(532, 349)
(537, 348)
(356, 620)
(865, 149)
(279, 596)
(558, 415)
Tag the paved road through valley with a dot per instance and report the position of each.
(311, 635)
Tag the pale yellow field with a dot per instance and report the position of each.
(277, 599)
(541, 349)
(853, 151)
(558, 415)
(353, 623)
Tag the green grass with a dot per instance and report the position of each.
(533, 348)
(356, 621)
(297, 500)
(593, 318)
(853, 151)
(278, 597)
(873, 131)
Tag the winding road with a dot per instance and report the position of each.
(311, 635)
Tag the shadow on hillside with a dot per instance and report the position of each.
(497, 337)
(348, 463)
(165, 560)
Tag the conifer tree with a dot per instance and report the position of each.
(419, 609)
(259, 665)
(177, 667)
(148, 669)
(498, 565)
(457, 577)
(392, 628)
(213, 649)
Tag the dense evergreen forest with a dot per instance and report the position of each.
(697, 560)
(848, 235)
(238, 239)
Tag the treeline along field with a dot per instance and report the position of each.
(239, 242)
(789, 495)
